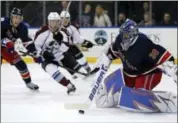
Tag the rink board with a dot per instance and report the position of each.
(167, 37)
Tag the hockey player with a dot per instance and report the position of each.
(143, 65)
(52, 45)
(14, 28)
(74, 40)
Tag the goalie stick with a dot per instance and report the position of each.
(88, 103)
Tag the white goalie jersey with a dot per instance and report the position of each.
(73, 34)
(44, 41)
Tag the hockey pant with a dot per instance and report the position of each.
(148, 81)
(70, 62)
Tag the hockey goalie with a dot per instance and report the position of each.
(144, 63)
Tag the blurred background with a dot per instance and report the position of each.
(99, 13)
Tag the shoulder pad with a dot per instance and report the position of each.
(26, 24)
(41, 30)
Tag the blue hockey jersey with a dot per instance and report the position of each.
(141, 58)
(12, 33)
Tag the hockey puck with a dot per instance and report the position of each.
(81, 111)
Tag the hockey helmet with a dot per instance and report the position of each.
(129, 33)
(53, 16)
(16, 16)
(53, 21)
(16, 11)
(65, 14)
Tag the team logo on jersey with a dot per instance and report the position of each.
(154, 37)
(154, 53)
(101, 37)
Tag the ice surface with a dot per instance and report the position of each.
(19, 104)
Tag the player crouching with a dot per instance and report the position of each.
(14, 28)
(51, 44)
(143, 65)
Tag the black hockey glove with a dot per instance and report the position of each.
(30, 47)
(48, 56)
(87, 44)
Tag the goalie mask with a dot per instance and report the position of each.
(53, 21)
(65, 18)
(129, 34)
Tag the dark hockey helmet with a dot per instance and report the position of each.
(16, 11)
(129, 33)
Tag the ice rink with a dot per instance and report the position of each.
(19, 104)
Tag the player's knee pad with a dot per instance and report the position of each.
(147, 101)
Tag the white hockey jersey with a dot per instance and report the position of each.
(73, 34)
(44, 41)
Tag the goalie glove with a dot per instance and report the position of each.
(170, 69)
(87, 44)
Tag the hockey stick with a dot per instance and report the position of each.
(92, 94)
(67, 9)
(96, 68)
(27, 53)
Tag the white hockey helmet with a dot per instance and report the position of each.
(53, 16)
(54, 21)
(65, 14)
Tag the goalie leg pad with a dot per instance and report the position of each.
(114, 81)
(147, 101)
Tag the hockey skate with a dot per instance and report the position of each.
(71, 89)
(32, 86)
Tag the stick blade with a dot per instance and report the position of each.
(76, 106)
